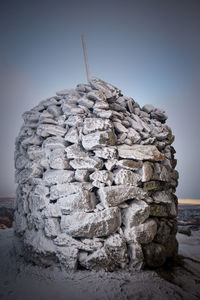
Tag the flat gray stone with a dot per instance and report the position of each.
(137, 212)
(140, 152)
(102, 176)
(129, 164)
(72, 135)
(81, 201)
(115, 195)
(57, 160)
(86, 163)
(57, 177)
(106, 152)
(65, 189)
(95, 124)
(45, 130)
(98, 139)
(126, 177)
(91, 225)
(143, 233)
(75, 151)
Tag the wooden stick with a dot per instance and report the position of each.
(85, 57)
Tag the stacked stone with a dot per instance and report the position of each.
(96, 181)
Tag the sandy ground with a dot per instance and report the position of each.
(19, 280)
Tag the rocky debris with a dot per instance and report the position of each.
(96, 181)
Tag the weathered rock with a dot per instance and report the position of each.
(57, 160)
(68, 257)
(115, 195)
(75, 151)
(110, 164)
(143, 233)
(65, 189)
(147, 171)
(88, 245)
(164, 210)
(136, 213)
(148, 108)
(107, 89)
(51, 227)
(98, 139)
(155, 254)
(126, 177)
(57, 177)
(106, 152)
(72, 136)
(90, 163)
(140, 152)
(136, 255)
(91, 225)
(26, 174)
(81, 175)
(159, 115)
(45, 130)
(53, 142)
(119, 127)
(163, 232)
(129, 164)
(95, 124)
(102, 176)
(81, 201)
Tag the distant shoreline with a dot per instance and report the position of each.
(189, 201)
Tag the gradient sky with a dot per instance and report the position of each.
(150, 49)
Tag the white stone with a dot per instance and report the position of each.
(81, 201)
(91, 225)
(86, 163)
(81, 175)
(110, 164)
(140, 152)
(136, 213)
(106, 152)
(74, 121)
(68, 257)
(45, 130)
(143, 233)
(75, 151)
(57, 177)
(88, 245)
(57, 160)
(136, 255)
(72, 135)
(98, 139)
(93, 124)
(115, 195)
(65, 189)
(119, 127)
(102, 176)
(53, 142)
(147, 171)
(51, 227)
(126, 177)
(129, 164)
(162, 197)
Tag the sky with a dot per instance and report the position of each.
(150, 49)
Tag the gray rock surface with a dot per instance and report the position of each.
(96, 181)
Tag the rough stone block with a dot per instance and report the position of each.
(91, 225)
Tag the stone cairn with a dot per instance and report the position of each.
(96, 182)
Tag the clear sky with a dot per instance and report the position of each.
(150, 49)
